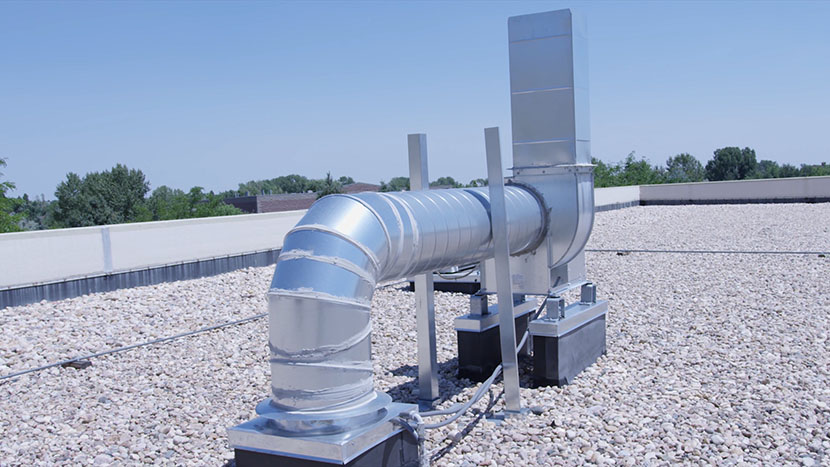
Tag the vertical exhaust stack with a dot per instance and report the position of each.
(549, 89)
(552, 154)
(552, 141)
(552, 158)
(323, 407)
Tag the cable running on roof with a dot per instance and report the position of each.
(133, 346)
(715, 252)
(151, 342)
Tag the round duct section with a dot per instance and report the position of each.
(319, 302)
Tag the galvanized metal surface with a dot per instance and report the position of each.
(260, 435)
(498, 216)
(320, 297)
(574, 316)
(424, 285)
(331, 262)
(481, 322)
(549, 89)
(551, 139)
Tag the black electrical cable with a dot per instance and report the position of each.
(457, 276)
(714, 252)
(459, 409)
(143, 344)
(461, 273)
(134, 346)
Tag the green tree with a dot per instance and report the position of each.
(817, 170)
(36, 213)
(228, 194)
(640, 172)
(731, 163)
(8, 222)
(292, 183)
(767, 169)
(396, 184)
(72, 209)
(789, 170)
(478, 182)
(631, 171)
(684, 168)
(605, 175)
(446, 181)
(329, 187)
(166, 203)
(111, 197)
(208, 204)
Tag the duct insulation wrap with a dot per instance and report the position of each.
(320, 297)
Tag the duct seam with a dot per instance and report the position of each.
(415, 237)
(307, 292)
(545, 217)
(320, 296)
(347, 391)
(326, 229)
(322, 352)
(377, 217)
(356, 366)
(347, 265)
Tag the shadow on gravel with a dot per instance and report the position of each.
(448, 382)
(449, 385)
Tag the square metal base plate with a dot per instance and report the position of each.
(255, 437)
(399, 450)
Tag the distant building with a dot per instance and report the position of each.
(359, 187)
(289, 201)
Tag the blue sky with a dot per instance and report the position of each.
(215, 93)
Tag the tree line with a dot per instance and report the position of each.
(122, 195)
(402, 183)
(114, 196)
(289, 184)
(730, 163)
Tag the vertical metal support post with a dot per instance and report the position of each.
(424, 286)
(504, 285)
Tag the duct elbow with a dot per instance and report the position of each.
(319, 305)
(332, 260)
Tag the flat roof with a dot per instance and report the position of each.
(712, 357)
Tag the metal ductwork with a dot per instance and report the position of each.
(323, 404)
(332, 260)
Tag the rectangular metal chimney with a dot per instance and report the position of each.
(549, 89)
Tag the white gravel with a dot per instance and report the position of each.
(711, 359)
(791, 227)
(45, 332)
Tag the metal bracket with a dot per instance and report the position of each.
(554, 307)
(504, 286)
(478, 304)
(424, 286)
(588, 294)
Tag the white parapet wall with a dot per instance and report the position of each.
(48, 255)
(616, 197)
(31, 258)
(28, 258)
(794, 189)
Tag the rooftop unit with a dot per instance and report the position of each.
(528, 232)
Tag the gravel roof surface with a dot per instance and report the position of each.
(711, 358)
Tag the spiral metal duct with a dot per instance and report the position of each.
(331, 261)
